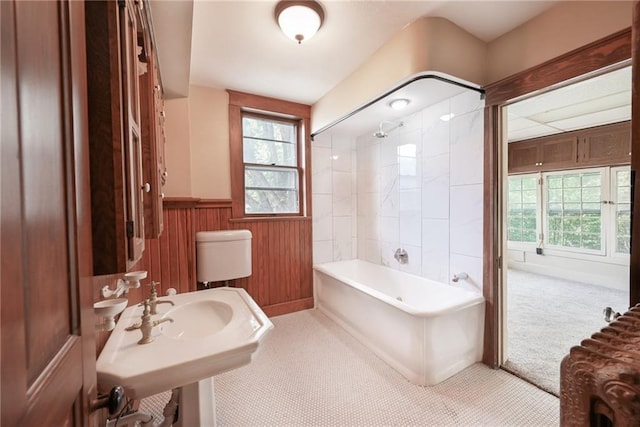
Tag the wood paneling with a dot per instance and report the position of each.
(281, 254)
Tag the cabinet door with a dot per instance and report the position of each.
(131, 126)
(523, 156)
(606, 146)
(558, 152)
(151, 106)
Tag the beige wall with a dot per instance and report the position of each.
(565, 27)
(210, 176)
(177, 148)
(428, 44)
(197, 147)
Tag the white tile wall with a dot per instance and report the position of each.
(420, 189)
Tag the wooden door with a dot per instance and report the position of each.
(48, 348)
(523, 156)
(634, 276)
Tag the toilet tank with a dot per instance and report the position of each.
(223, 255)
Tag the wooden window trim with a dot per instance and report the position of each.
(239, 103)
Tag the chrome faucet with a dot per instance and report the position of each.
(401, 256)
(146, 326)
(153, 299)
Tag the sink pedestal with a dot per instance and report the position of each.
(197, 405)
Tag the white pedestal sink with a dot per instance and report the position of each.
(213, 331)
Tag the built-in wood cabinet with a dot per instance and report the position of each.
(153, 136)
(606, 145)
(598, 146)
(122, 132)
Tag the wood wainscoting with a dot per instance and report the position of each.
(281, 280)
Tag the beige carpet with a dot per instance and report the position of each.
(310, 372)
(547, 316)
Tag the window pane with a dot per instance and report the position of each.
(574, 210)
(271, 190)
(522, 209)
(269, 142)
(623, 211)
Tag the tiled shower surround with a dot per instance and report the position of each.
(419, 189)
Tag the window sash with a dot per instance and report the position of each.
(572, 207)
(272, 181)
(621, 210)
(523, 209)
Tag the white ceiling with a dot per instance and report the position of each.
(238, 45)
(596, 101)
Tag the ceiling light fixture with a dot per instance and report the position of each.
(299, 20)
(399, 104)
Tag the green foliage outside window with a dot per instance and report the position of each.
(270, 155)
(574, 210)
(523, 196)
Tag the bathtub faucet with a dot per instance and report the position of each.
(401, 256)
(459, 276)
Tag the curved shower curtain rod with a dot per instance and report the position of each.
(389, 92)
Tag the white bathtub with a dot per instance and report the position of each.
(427, 331)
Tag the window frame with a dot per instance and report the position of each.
(241, 104)
(613, 198)
(514, 244)
(297, 167)
(608, 210)
(604, 213)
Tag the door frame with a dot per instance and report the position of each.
(554, 73)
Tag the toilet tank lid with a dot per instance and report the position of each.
(222, 236)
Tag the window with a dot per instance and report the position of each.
(584, 211)
(574, 210)
(622, 203)
(523, 208)
(270, 156)
(269, 148)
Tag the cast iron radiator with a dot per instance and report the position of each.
(600, 378)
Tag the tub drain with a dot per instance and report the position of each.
(399, 298)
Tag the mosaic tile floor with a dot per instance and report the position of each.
(310, 372)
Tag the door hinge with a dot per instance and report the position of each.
(499, 262)
(121, 3)
(129, 229)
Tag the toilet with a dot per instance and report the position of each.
(222, 256)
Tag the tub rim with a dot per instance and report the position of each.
(472, 299)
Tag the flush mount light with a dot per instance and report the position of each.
(299, 20)
(399, 104)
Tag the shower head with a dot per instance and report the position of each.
(382, 134)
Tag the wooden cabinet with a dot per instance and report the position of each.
(119, 135)
(599, 146)
(543, 154)
(610, 145)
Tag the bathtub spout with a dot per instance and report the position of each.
(459, 276)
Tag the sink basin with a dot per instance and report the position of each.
(197, 319)
(213, 331)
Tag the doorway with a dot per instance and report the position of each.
(585, 62)
(567, 215)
